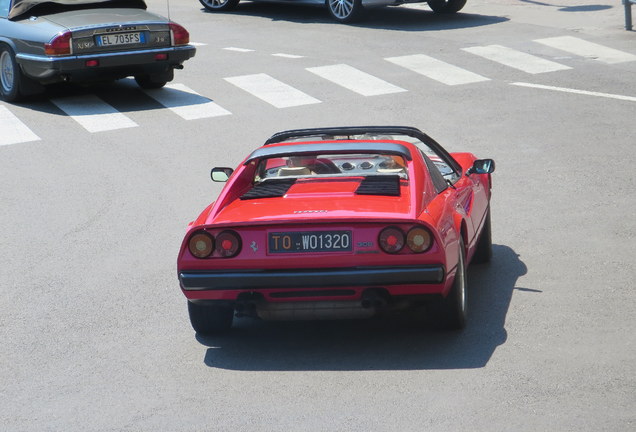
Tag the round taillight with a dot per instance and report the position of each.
(201, 244)
(391, 240)
(59, 45)
(180, 35)
(228, 244)
(419, 239)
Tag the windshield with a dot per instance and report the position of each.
(330, 165)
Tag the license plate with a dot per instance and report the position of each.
(121, 39)
(309, 241)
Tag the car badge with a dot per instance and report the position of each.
(254, 246)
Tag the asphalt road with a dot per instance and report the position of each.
(94, 330)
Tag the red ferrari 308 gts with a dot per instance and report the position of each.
(337, 223)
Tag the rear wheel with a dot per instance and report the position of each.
(483, 253)
(10, 75)
(345, 11)
(219, 5)
(446, 6)
(210, 318)
(451, 311)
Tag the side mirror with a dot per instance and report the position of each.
(482, 166)
(221, 174)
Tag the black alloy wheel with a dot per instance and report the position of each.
(210, 317)
(446, 6)
(450, 313)
(219, 5)
(345, 11)
(10, 75)
(483, 252)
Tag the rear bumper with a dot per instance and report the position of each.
(310, 278)
(50, 69)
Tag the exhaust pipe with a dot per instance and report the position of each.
(376, 298)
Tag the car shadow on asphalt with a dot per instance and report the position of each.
(405, 342)
(387, 18)
(124, 93)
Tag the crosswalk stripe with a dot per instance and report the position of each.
(584, 48)
(271, 90)
(516, 59)
(12, 130)
(436, 69)
(243, 50)
(575, 91)
(355, 80)
(93, 114)
(289, 56)
(186, 103)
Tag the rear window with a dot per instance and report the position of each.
(330, 165)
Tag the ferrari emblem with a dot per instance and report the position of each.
(254, 246)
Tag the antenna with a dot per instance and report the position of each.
(168, 6)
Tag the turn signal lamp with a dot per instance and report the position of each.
(59, 45)
(201, 244)
(180, 35)
(419, 239)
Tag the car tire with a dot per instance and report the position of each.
(149, 82)
(483, 252)
(345, 11)
(210, 318)
(446, 6)
(451, 311)
(219, 5)
(10, 75)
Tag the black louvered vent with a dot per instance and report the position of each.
(380, 185)
(269, 189)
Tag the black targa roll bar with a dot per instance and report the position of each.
(628, 13)
(331, 133)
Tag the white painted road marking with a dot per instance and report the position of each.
(582, 92)
(290, 56)
(355, 80)
(238, 49)
(584, 48)
(12, 130)
(186, 103)
(271, 90)
(516, 59)
(436, 69)
(93, 114)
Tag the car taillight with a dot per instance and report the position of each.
(391, 240)
(419, 239)
(180, 36)
(228, 244)
(59, 45)
(201, 244)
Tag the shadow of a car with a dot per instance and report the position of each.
(397, 343)
(387, 18)
(117, 93)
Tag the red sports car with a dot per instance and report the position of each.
(336, 223)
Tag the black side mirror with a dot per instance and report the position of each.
(219, 174)
(482, 166)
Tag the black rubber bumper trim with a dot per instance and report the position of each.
(309, 278)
